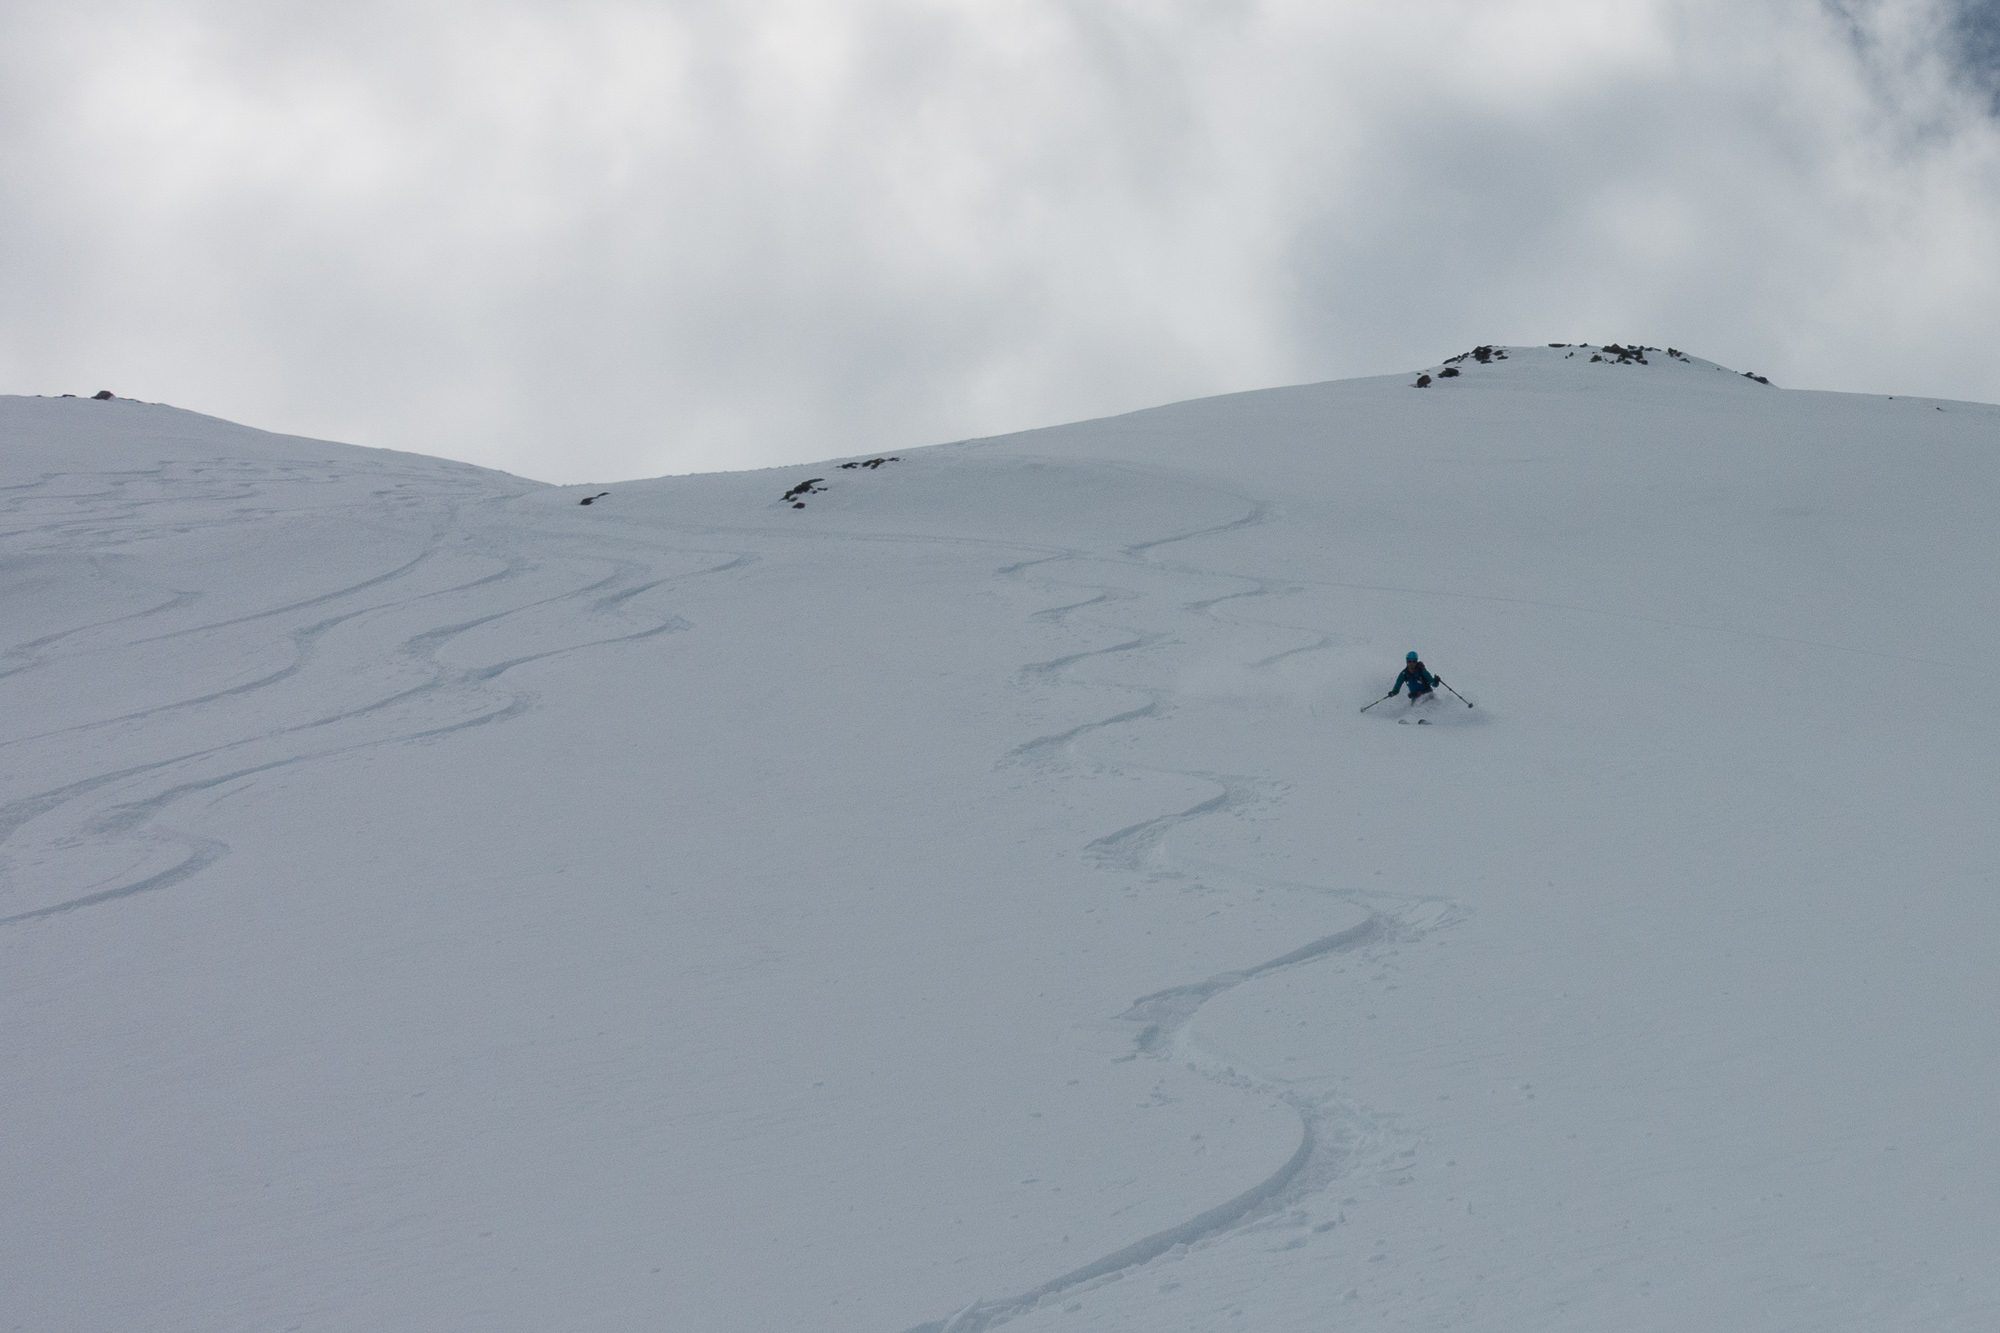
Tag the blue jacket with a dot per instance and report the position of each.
(1418, 677)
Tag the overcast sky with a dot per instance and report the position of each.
(602, 239)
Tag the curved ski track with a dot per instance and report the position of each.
(1334, 1136)
(421, 697)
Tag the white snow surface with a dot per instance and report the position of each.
(976, 898)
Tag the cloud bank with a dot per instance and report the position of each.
(608, 239)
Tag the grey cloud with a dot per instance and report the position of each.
(616, 238)
(1976, 27)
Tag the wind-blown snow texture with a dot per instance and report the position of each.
(975, 898)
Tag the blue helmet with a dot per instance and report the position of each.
(1409, 657)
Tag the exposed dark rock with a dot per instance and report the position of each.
(1613, 354)
(593, 499)
(1449, 372)
(104, 395)
(1423, 382)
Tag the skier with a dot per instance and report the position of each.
(1418, 677)
(1423, 686)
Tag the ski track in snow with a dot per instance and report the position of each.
(444, 698)
(1708, 1155)
(1335, 1136)
(133, 799)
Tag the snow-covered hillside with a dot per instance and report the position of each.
(964, 891)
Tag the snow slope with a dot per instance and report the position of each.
(974, 898)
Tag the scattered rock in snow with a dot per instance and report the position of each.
(810, 486)
(593, 499)
(1616, 354)
(1484, 354)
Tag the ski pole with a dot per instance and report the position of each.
(1385, 699)
(1440, 680)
